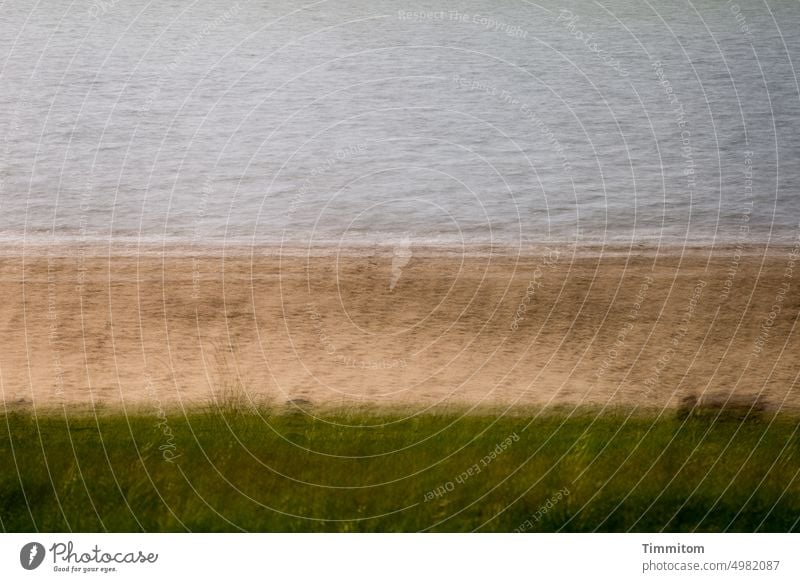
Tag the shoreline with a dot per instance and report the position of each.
(176, 249)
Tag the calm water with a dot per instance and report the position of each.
(366, 121)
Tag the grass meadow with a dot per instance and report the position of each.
(227, 469)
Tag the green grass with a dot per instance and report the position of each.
(372, 471)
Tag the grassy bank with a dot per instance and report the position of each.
(365, 471)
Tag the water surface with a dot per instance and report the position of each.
(354, 122)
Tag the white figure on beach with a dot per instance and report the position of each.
(401, 255)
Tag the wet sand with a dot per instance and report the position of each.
(410, 327)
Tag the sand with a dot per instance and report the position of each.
(639, 328)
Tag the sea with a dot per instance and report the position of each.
(354, 123)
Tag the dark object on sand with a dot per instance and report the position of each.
(718, 407)
(298, 404)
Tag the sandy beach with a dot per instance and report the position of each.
(640, 328)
